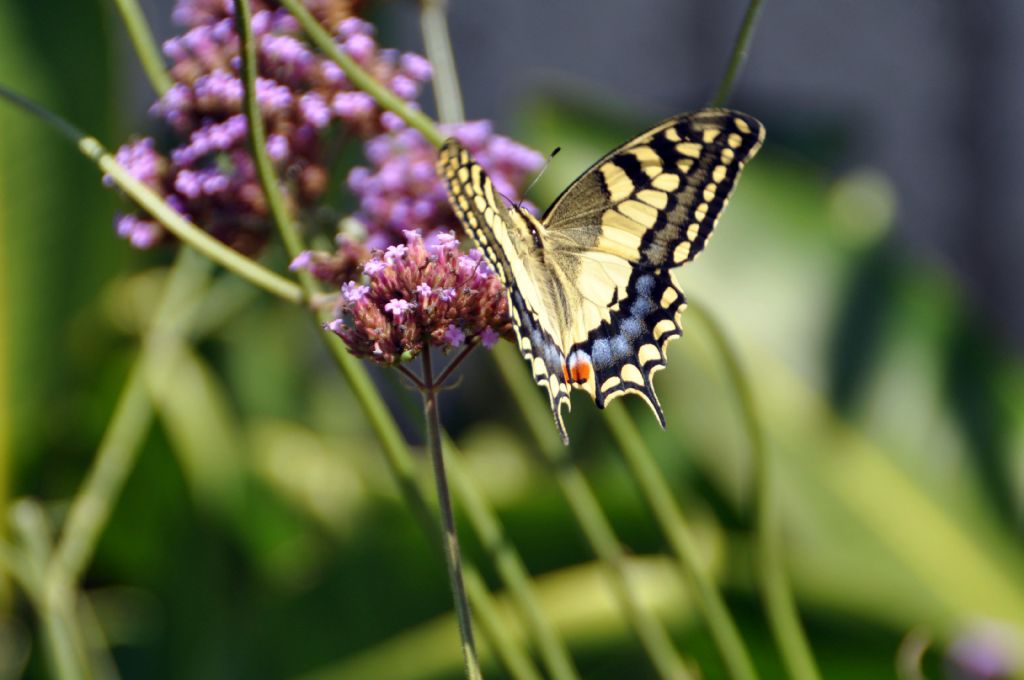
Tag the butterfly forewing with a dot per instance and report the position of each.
(590, 286)
(656, 199)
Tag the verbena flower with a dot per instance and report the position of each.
(209, 176)
(399, 189)
(417, 294)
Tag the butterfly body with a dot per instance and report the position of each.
(591, 292)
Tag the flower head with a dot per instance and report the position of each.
(301, 93)
(415, 296)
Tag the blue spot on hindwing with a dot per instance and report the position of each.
(601, 353)
(642, 307)
(632, 327)
(644, 285)
(620, 348)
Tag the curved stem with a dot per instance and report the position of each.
(451, 539)
(739, 54)
(224, 255)
(669, 516)
(145, 46)
(397, 452)
(258, 146)
(60, 125)
(151, 202)
(777, 596)
(94, 502)
(511, 569)
(592, 520)
(447, 94)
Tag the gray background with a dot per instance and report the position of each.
(931, 93)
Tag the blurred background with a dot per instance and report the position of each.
(868, 269)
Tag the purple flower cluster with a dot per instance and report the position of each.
(210, 177)
(191, 13)
(401, 190)
(415, 294)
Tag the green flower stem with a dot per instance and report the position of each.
(666, 510)
(776, 594)
(447, 93)
(359, 77)
(432, 417)
(14, 562)
(258, 146)
(485, 612)
(511, 569)
(598, 531)
(553, 650)
(62, 642)
(145, 46)
(91, 508)
(400, 462)
(396, 450)
(189, 233)
(148, 200)
(739, 54)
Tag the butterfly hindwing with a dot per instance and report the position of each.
(593, 299)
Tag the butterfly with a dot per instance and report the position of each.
(590, 287)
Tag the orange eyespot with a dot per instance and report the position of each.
(580, 372)
(565, 372)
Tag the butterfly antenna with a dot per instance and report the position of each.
(539, 175)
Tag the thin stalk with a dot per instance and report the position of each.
(62, 568)
(400, 463)
(431, 416)
(438, 45)
(553, 650)
(669, 516)
(60, 648)
(739, 54)
(145, 46)
(92, 506)
(485, 612)
(513, 572)
(776, 594)
(201, 241)
(62, 644)
(258, 140)
(360, 77)
(151, 202)
(93, 503)
(396, 451)
(596, 527)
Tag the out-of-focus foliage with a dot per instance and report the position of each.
(260, 535)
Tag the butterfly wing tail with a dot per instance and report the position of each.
(624, 353)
